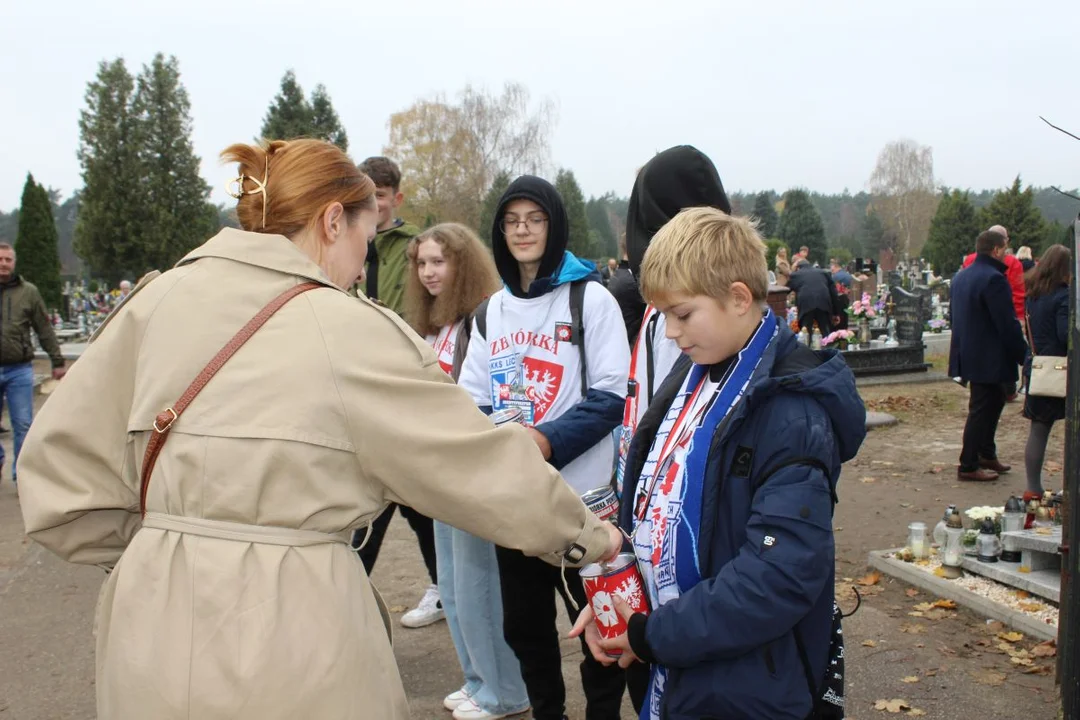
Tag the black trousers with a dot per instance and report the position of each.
(821, 317)
(422, 525)
(529, 613)
(985, 404)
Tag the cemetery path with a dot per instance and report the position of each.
(46, 606)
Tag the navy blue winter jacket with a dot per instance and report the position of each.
(987, 342)
(766, 543)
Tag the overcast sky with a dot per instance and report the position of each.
(778, 93)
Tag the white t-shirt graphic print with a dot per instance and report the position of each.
(444, 342)
(527, 361)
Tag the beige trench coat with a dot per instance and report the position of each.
(238, 597)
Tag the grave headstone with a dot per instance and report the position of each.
(894, 279)
(908, 315)
(926, 305)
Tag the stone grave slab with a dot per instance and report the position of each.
(1046, 583)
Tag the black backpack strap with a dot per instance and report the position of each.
(650, 368)
(577, 328)
(481, 317)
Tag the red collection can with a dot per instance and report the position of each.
(603, 581)
(603, 502)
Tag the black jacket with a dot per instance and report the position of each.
(623, 285)
(814, 290)
(987, 342)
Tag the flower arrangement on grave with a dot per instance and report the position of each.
(839, 339)
(863, 308)
(975, 516)
(937, 325)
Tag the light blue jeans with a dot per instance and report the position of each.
(17, 387)
(469, 589)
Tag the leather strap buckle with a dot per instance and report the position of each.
(162, 426)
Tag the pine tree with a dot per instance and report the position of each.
(800, 224)
(38, 260)
(1015, 210)
(871, 234)
(952, 232)
(177, 216)
(574, 200)
(491, 205)
(605, 242)
(324, 120)
(290, 114)
(112, 194)
(767, 217)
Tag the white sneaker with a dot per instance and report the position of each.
(469, 710)
(455, 699)
(428, 611)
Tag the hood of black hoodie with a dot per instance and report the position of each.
(544, 194)
(678, 178)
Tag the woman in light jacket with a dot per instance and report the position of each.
(237, 595)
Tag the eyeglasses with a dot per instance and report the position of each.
(533, 223)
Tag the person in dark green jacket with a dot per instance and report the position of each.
(21, 310)
(385, 277)
(386, 253)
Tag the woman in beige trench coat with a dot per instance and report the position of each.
(238, 595)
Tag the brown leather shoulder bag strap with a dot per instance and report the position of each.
(165, 420)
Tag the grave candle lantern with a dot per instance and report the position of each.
(920, 548)
(1011, 520)
(988, 545)
(952, 552)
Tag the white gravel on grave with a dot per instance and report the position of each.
(997, 592)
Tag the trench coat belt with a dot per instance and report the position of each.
(241, 532)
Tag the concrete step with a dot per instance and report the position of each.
(1034, 541)
(1044, 582)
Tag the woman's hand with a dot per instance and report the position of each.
(598, 646)
(615, 542)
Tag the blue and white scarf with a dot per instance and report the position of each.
(669, 491)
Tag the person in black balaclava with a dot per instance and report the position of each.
(678, 178)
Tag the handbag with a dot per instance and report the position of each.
(1049, 373)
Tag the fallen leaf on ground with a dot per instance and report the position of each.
(915, 613)
(1023, 569)
(916, 712)
(892, 706)
(911, 592)
(945, 604)
(1011, 636)
(886, 463)
(905, 504)
(869, 579)
(867, 480)
(1022, 661)
(869, 643)
(930, 673)
(1046, 649)
(1023, 594)
(910, 679)
(1031, 606)
(912, 629)
(397, 608)
(940, 572)
(988, 677)
(923, 607)
(995, 626)
(1037, 670)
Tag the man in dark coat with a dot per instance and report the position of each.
(986, 349)
(815, 296)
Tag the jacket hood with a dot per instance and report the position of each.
(678, 178)
(824, 376)
(557, 266)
